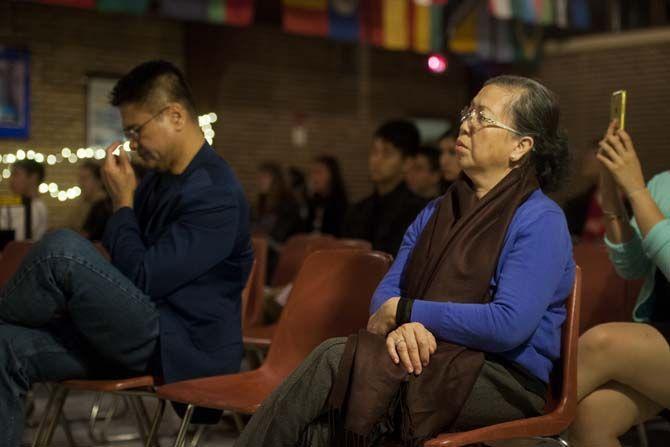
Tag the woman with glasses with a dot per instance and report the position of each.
(623, 368)
(465, 327)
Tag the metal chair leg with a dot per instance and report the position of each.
(239, 423)
(45, 435)
(141, 422)
(183, 428)
(642, 435)
(44, 420)
(152, 440)
(197, 435)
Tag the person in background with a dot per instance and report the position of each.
(424, 177)
(328, 200)
(30, 220)
(584, 211)
(95, 195)
(277, 214)
(623, 368)
(298, 185)
(451, 170)
(383, 217)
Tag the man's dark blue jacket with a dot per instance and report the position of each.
(186, 244)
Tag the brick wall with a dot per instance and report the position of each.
(259, 79)
(584, 72)
(65, 45)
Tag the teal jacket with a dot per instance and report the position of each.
(639, 257)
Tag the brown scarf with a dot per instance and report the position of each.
(454, 260)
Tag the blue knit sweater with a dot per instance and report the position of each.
(533, 278)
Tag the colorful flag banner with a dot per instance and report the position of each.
(309, 17)
(437, 29)
(343, 20)
(580, 15)
(83, 4)
(421, 28)
(545, 11)
(463, 27)
(194, 10)
(395, 20)
(371, 28)
(128, 6)
(501, 9)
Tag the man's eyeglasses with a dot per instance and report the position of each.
(133, 133)
(479, 118)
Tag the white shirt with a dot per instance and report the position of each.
(12, 217)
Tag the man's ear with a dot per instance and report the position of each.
(177, 115)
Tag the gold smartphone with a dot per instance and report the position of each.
(618, 108)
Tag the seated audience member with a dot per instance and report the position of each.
(95, 196)
(169, 302)
(448, 160)
(623, 367)
(30, 219)
(298, 186)
(457, 338)
(277, 213)
(584, 211)
(383, 217)
(328, 200)
(424, 177)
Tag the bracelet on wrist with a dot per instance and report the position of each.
(404, 311)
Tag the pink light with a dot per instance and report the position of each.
(437, 63)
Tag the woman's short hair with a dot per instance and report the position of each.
(536, 113)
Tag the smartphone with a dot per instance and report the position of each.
(618, 108)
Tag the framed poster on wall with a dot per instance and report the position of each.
(14, 93)
(103, 121)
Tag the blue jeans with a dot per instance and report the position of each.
(68, 314)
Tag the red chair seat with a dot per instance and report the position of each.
(242, 392)
(114, 385)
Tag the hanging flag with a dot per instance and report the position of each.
(421, 27)
(83, 4)
(128, 6)
(237, 12)
(371, 27)
(308, 17)
(485, 34)
(437, 31)
(194, 10)
(463, 27)
(504, 41)
(343, 20)
(561, 13)
(545, 10)
(395, 20)
(580, 16)
(501, 9)
(524, 10)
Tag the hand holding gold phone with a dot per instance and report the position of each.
(618, 108)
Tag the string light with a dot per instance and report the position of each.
(83, 153)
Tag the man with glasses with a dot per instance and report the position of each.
(169, 302)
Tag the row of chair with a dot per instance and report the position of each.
(330, 298)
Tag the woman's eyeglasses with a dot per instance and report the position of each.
(480, 119)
